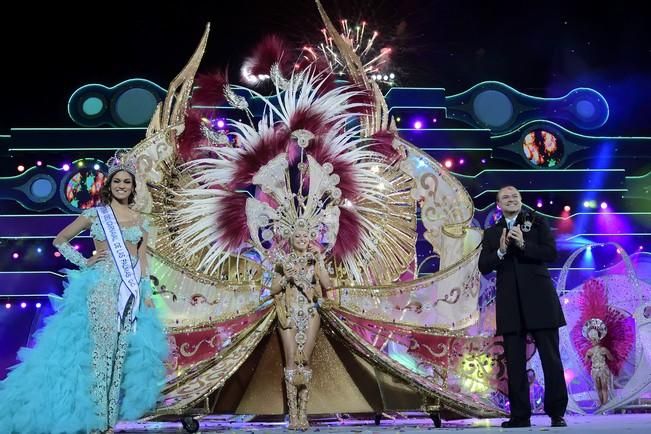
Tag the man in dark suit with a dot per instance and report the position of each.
(517, 247)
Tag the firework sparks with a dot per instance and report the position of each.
(363, 42)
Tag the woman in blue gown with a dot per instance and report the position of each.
(98, 359)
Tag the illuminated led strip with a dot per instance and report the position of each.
(80, 129)
(536, 170)
(414, 88)
(572, 133)
(444, 129)
(595, 213)
(74, 129)
(409, 107)
(37, 237)
(640, 176)
(31, 272)
(572, 215)
(627, 234)
(506, 86)
(64, 149)
(38, 215)
(556, 190)
(44, 295)
(456, 149)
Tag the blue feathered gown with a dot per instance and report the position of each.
(87, 370)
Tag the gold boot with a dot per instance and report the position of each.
(303, 397)
(292, 405)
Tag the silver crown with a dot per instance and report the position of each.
(121, 161)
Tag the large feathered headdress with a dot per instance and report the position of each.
(305, 164)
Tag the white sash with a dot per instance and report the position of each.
(130, 274)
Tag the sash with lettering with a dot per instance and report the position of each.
(130, 273)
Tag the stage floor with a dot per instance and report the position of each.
(625, 423)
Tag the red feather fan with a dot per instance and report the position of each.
(210, 89)
(263, 152)
(272, 49)
(232, 219)
(349, 236)
(383, 144)
(192, 137)
(620, 337)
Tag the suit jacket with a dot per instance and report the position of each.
(526, 298)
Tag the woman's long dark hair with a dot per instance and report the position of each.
(105, 192)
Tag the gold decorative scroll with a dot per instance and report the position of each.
(190, 300)
(210, 378)
(446, 207)
(445, 300)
